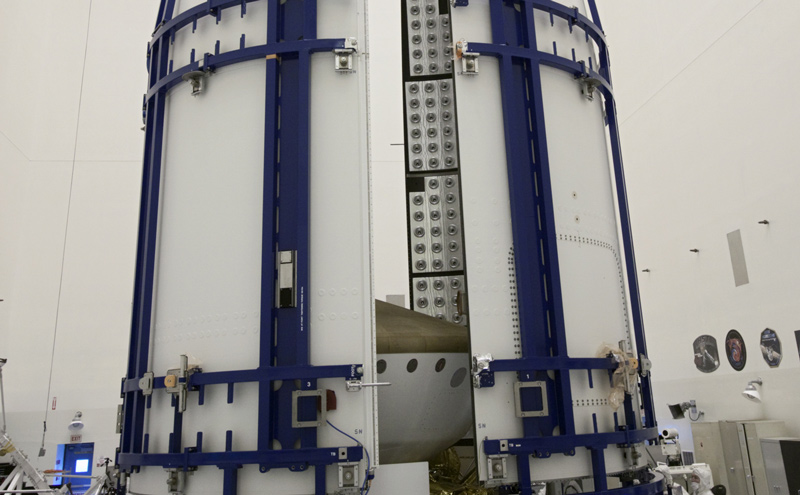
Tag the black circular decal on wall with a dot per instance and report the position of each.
(706, 355)
(735, 350)
(771, 347)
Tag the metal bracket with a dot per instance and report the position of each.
(343, 57)
(481, 375)
(176, 481)
(296, 423)
(146, 383)
(588, 84)
(287, 279)
(197, 80)
(469, 60)
(120, 418)
(498, 470)
(348, 475)
(356, 385)
(518, 386)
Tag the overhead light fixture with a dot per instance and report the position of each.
(677, 410)
(753, 390)
(76, 423)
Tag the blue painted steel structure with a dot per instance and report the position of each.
(538, 284)
(291, 39)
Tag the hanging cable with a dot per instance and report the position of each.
(66, 230)
(366, 475)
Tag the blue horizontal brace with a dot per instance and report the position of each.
(243, 55)
(272, 373)
(575, 68)
(192, 15)
(570, 15)
(552, 363)
(271, 458)
(567, 443)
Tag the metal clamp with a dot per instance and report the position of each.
(498, 470)
(645, 365)
(343, 57)
(287, 279)
(196, 79)
(348, 475)
(176, 381)
(146, 383)
(518, 386)
(481, 375)
(296, 395)
(469, 60)
(356, 385)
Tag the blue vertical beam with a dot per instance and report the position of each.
(268, 232)
(139, 348)
(541, 161)
(599, 469)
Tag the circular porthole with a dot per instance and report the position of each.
(412, 366)
(381, 366)
(440, 365)
(458, 377)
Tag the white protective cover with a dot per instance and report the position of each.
(208, 279)
(592, 279)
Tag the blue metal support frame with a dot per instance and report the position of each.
(538, 284)
(291, 39)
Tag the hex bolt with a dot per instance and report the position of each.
(445, 100)
(413, 89)
(433, 147)
(422, 302)
(416, 39)
(454, 262)
(420, 265)
(417, 148)
(452, 246)
(422, 285)
(430, 9)
(344, 61)
(434, 199)
(430, 102)
(455, 283)
(416, 54)
(439, 301)
(429, 87)
(448, 146)
(419, 232)
(452, 229)
(451, 213)
(437, 264)
(414, 10)
(436, 231)
(415, 133)
(430, 117)
(431, 38)
(419, 216)
(430, 23)
(417, 163)
(449, 182)
(450, 198)
(415, 118)
(433, 162)
(436, 215)
(418, 200)
(433, 68)
(418, 69)
(432, 53)
(419, 248)
(449, 161)
(432, 132)
(436, 247)
(415, 25)
(433, 183)
(447, 131)
(438, 284)
(446, 115)
(414, 103)
(444, 86)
